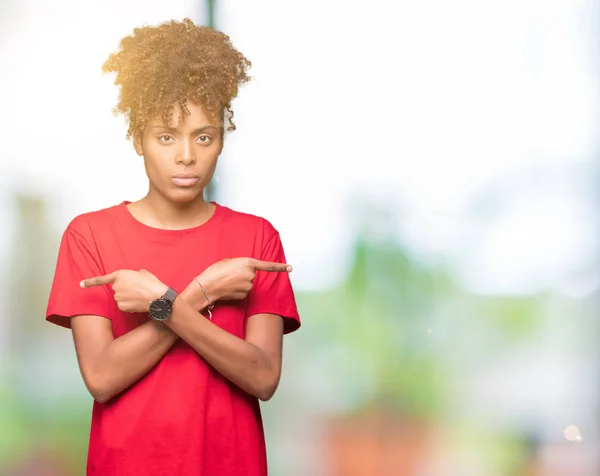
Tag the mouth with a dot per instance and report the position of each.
(185, 180)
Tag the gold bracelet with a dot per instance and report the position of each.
(210, 304)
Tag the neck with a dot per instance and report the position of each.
(158, 211)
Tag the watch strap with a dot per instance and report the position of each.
(170, 295)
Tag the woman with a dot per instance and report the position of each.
(177, 305)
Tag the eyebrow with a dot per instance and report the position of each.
(196, 131)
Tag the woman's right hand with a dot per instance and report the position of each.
(231, 279)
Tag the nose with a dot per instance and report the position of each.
(185, 153)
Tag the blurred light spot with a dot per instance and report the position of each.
(572, 433)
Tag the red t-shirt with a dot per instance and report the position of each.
(182, 418)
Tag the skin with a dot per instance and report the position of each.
(110, 365)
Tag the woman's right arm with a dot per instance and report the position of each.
(110, 365)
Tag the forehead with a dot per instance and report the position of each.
(193, 115)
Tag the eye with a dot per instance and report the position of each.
(204, 139)
(165, 138)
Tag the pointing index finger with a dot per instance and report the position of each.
(99, 280)
(270, 266)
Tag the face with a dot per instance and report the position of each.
(180, 158)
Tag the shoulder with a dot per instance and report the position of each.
(249, 223)
(85, 224)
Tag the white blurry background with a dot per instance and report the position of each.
(471, 124)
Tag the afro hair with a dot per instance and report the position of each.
(160, 66)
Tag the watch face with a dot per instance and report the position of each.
(160, 309)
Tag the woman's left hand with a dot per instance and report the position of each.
(134, 290)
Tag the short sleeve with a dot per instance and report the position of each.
(76, 262)
(272, 292)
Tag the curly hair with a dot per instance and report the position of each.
(172, 63)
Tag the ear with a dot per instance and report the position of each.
(137, 142)
(222, 139)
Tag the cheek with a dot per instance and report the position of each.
(211, 164)
(156, 162)
(207, 169)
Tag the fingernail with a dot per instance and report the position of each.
(289, 269)
(82, 284)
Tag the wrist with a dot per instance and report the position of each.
(207, 291)
(194, 297)
(157, 292)
(204, 304)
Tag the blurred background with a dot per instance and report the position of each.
(432, 168)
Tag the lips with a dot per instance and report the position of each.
(185, 180)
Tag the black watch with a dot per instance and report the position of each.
(162, 308)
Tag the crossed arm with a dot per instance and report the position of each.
(110, 365)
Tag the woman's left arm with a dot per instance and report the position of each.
(253, 364)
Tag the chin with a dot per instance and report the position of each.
(184, 196)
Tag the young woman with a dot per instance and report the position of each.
(177, 305)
